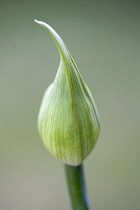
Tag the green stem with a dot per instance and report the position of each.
(77, 188)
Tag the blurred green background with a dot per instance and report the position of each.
(104, 39)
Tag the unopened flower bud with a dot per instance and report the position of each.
(68, 119)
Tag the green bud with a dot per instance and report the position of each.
(68, 119)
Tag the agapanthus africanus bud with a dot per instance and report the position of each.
(68, 119)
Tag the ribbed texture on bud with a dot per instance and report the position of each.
(68, 119)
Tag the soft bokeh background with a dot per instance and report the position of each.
(104, 39)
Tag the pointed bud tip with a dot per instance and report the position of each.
(37, 21)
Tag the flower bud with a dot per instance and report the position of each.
(68, 119)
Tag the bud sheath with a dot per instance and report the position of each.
(68, 119)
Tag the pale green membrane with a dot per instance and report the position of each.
(68, 120)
